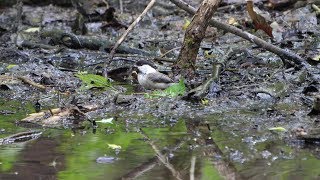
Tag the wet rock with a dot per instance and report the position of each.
(46, 79)
(214, 90)
(310, 89)
(315, 107)
(264, 96)
(124, 99)
(12, 56)
(4, 87)
(312, 135)
(266, 154)
(2, 130)
(8, 83)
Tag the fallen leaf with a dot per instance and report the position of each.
(11, 66)
(258, 20)
(32, 30)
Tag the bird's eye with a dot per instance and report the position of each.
(136, 69)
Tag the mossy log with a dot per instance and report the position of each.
(88, 42)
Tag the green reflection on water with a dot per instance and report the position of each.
(83, 150)
(208, 171)
(16, 111)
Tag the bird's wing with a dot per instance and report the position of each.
(159, 78)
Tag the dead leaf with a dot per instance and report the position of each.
(258, 20)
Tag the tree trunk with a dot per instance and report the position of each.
(185, 65)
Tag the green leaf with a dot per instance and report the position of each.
(204, 102)
(277, 129)
(11, 66)
(93, 81)
(175, 90)
(186, 24)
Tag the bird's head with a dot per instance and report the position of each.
(144, 67)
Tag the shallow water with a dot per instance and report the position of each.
(217, 146)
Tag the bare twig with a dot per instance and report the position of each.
(32, 83)
(316, 9)
(287, 54)
(135, 22)
(159, 59)
(106, 3)
(121, 6)
(164, 54)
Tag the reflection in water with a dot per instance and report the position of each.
(38, 160)
(190, 148)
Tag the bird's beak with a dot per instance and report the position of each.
(134, 72)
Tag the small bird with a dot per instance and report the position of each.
(149, 78)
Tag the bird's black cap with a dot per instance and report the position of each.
(144, 62)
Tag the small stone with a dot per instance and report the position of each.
(124, 99)
(106, 159)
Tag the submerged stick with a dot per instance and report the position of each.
(20, 137)
(162, 158)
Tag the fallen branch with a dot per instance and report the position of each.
(34, 45)
(20, 137)
(32, 83)
(93, 43)
(135, 22)
(284, 54)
